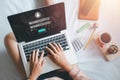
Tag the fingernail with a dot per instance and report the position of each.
(38, 50)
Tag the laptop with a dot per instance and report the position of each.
(35, 29)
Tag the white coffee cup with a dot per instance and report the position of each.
(104, 38)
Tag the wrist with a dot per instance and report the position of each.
(32, 77)
(67, 67)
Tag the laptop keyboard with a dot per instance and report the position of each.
(41, 45)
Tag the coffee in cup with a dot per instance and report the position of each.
(104, 38)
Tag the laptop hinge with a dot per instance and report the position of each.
(63, 31)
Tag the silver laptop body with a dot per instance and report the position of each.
(36, 28)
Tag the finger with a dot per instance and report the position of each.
(53, 47)
(41, 57)
(36, 55)
(30, 58)
(50, 51)
(43, 63)
(60, 47)
(56, 46)
(51, 58)
(33, 55)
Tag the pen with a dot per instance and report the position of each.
(90, 38)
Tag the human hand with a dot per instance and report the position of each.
(49, 2)
(36, 65)
(58, 57)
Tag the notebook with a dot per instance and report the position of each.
(89, 9)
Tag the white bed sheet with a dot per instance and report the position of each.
(92, 63)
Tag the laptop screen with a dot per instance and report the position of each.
(38, 23)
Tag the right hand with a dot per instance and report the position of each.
(58, 57)
(36, 65)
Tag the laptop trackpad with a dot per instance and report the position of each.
(49, 66)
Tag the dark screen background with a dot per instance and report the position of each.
(21, 27)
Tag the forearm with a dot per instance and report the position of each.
(32, 78)
(67, 67)
(76, 74)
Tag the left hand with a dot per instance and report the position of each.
(36, 65)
